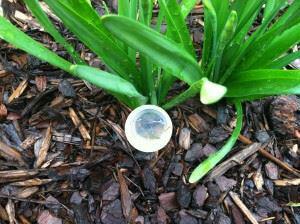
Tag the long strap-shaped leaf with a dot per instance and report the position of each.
(283, 61)
(263, 82)
(115, 85)
(11, 34)
(176, 24)
(161, 50)
(85, 9)
(146, 9)
(216, 157)
(43, 19)
(210, 35)
(96, 38)
(276, 48)
(187, 6)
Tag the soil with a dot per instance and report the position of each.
(64, 157)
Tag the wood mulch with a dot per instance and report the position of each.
(64, 157)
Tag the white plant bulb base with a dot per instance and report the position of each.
(148, 128)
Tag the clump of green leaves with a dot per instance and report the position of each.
(238, 62)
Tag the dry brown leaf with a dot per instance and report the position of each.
(125, 196)
(31, 182)
(44, 148)
(18, 91)
(41, 83)
(83, 131)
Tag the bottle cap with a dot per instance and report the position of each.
(148, 128)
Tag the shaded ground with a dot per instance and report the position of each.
(64, 157)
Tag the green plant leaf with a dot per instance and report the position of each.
(146, 9)
(123, 6)
(222, 11)
(287, 20)
(276, 48)
(204, 167)
(85, 8)
(11, 34)
(210, 36)
(272, 7)
(176, 24)
(263, 82)
(161, 50)
(114, 84)
(187, 6)
(259, 48)
(283, 61)
(97, 38)
(192, 91)
(226, 36)
(43, 19)
(209, 93)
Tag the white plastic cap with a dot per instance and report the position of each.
(148, 128)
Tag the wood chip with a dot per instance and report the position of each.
(233, 161)
(3, 214)
(44, 148)
(3, 73)
(125, 197)
(287, 182)
(83, 131)
(10, 153)
(24, 220)
(198, 123)
(18, 91)
(26, 192)
(243, 207)
(3, 111)
(41, 83)
(66, 138)
(47, 218)
(185, 138)
(10, 209)
(258, 180)
(271, 157)
(29, 141)
(5, 176)
(21, 59)
(31, 182)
